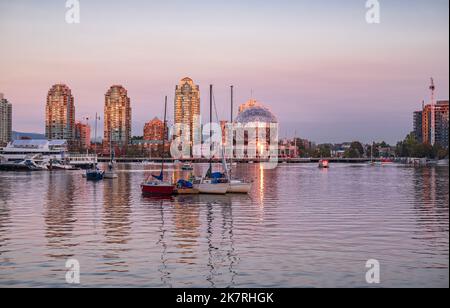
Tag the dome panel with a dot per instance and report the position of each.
(256, 114)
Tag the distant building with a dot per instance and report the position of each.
(441, 118)
(255, 116)
(83, 135)
(154, 130)
(154, 134)
(187, 112)
(288, 149)
(117, 122)
(5, 121)
(60, 114)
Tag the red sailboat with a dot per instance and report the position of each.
(155, 185)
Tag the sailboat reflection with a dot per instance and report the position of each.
(220, 240)
(163, 269)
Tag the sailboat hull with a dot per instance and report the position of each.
(239, 188)
(94, 176)
(110, 175)
(212, 189)
(158, 189)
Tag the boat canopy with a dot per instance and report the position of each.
(184, 184)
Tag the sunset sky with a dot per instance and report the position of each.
(326, 73)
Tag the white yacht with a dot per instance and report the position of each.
(42, 152)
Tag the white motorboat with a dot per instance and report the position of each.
(25, 165)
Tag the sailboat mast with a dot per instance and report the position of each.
(210, 123)
(110, 142)
(371, 151)
(232, 103)
(232, 131)
(164, 135)
(95, 148)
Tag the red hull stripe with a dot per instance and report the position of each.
(158, 190)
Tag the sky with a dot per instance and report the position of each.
(327, 74)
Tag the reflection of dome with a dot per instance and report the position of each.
(253, 112)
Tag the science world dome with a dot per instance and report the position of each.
(255, 112)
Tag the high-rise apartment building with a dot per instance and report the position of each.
(5, 120)
(440, 112)
(117, 122)
(60, 113)
(187, 112)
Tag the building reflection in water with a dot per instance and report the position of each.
(5, 217)
(261, 185)
(432, 197)
(59, 216)
(116, 221)
(186, 218)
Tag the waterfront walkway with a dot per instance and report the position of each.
(255, 160)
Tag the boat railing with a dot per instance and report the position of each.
(83, 157)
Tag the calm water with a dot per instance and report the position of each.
(300, 227)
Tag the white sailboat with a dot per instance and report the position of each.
(156, 185)
(110, 173)
(212, 183)
(237, 186)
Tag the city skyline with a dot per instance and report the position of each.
(327, 74)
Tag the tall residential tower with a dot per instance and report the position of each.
(60, 113)
(5, 120)
(187, 112)
(117, 121)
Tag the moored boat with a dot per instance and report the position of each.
(186, 188)
(236, 186)
(212, 183)
(158, 188)
(25, 165)
(95, 175)
(212, 187)
(110, 174)
(155, 185)
(324, 164)
(239, 187)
